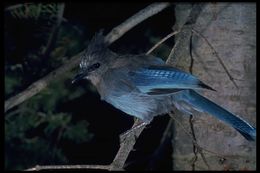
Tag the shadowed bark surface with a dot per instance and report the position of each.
(231, 30)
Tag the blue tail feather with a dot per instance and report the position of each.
(201, 103)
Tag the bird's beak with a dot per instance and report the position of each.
(78, 77)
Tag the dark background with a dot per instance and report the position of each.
(24, 36)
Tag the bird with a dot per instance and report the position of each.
(144, 86)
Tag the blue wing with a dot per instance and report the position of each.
(155, 80)
(200, 103)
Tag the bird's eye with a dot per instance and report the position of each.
(94, 67)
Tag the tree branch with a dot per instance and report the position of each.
(172, 51)
(39, 85)
(115, 34)
(161, 41)
(126, 147)
(139, 17)
(118, 163)
(12, 7)
(51, 167)
(182, 41)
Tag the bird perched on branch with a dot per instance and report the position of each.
(144, 86)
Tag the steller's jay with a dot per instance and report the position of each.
(144, 86)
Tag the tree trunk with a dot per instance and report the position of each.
(231, 29)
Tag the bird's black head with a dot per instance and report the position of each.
(95, 60)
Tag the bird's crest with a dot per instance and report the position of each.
(96, 48)
(97, 43)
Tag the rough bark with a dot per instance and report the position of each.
(231, 30)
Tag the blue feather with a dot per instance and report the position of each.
(144, 86)
(203, 104)
(164, 78)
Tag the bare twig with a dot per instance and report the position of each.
(161, 41)
(142, 15)
(218, 57)
(39, 85)
(182, 40)
(12, 7)
(51, 167)
(122, 155)
(126, 147)
(172, 51)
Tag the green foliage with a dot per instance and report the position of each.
(38, 113)
(70, 42)
(33, 11)
(78, 132)
(22, 149)
(34, 131)
(11, 83)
